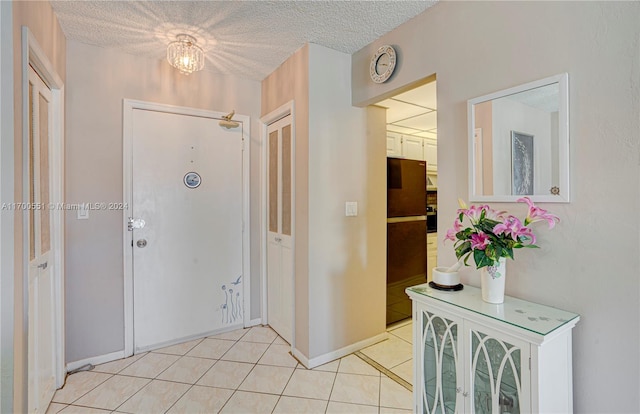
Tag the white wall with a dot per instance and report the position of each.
(589, 263)
(340, 152)
(97, 81)
(347, 255)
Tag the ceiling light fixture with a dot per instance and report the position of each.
(185, 55)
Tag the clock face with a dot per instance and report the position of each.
(382, 64)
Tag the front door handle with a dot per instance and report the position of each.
(141, 243)
(43, 265)
(135, 224)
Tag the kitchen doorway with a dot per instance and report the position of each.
(412, 193)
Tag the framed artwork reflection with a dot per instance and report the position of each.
(521, 163)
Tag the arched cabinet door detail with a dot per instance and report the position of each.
(474, 357)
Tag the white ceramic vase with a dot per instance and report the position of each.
(492, 282)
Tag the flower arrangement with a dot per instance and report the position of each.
(493, 234)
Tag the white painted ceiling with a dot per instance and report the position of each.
(243, 38)
(413, 112)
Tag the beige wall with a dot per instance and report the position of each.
(589, 262)
(347, 255)
(291, 82)
(38, 16)
(98, 81)
(340, 156)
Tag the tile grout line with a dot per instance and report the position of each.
(384, 370)
(254, 365)
(191, 386)
(151, 379)
(235, 390)
(65, 383)
(333, 385)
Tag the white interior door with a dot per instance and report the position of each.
(187, 187)
(280, 227)
(42, 310)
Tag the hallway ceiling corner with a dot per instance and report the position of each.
(245, 38)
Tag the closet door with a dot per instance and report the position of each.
(280, 227)
(42, 300)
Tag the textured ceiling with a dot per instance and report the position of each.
(244, 38)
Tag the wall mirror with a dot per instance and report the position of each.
(519, 143)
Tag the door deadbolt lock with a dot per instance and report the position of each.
(141, 243)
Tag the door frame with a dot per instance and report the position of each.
(277, 114)
(129, 105)
(34, 56)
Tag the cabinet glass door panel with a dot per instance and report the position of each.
(496, 374)
(440, 364)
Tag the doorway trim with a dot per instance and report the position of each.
(129, 105)
(34, 56)
(286, 109)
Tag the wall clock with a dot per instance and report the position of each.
(382, 64)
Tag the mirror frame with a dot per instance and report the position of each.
(563, 141)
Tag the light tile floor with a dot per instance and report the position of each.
(244, 371)
(396, 353)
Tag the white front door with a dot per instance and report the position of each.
(187, 187)
(280, 227)
(42, 309)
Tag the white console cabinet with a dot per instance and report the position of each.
(474, 357)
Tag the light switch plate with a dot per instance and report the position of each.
(351, 208)
(83, 212)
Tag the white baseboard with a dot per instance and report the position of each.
(339, 353)
(254, 322)
(227, 328)
(96, 360)
(101, 359)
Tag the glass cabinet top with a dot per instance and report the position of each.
(533, 317)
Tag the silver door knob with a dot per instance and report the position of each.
(141, 243)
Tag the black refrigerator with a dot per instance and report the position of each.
(406, 233)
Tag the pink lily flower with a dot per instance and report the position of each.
(451, 233)
(492, 214)
(479, 241)
(473, 213)
(513, 226)
(538, 214)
